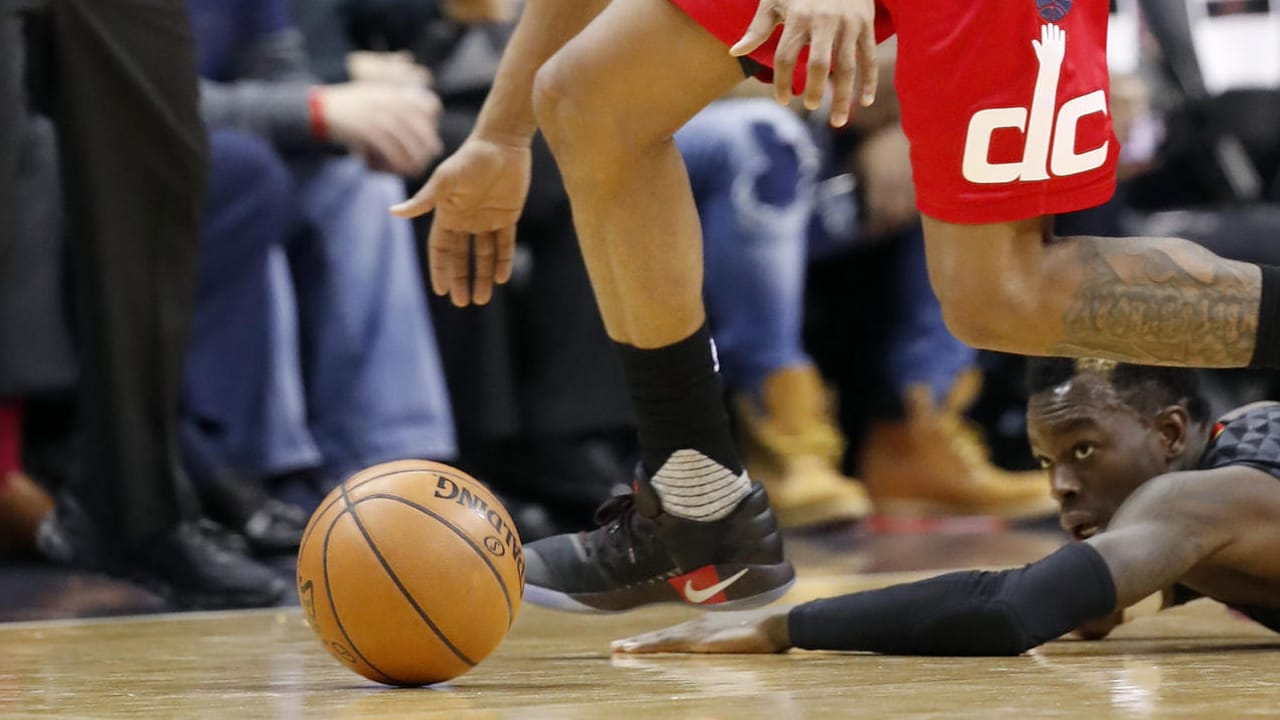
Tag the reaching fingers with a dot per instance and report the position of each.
(653, 642)
(761, 27)
(795, 34)
(486, 254)
(439, 258)
(821, 40)
(844, 74)
(506, 253)
(868, 63)
(459, 270)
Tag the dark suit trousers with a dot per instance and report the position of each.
(118, 78)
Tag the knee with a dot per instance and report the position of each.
(585, 118)
(557, 104)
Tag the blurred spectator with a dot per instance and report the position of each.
(117, 77)
(313, 354)
(538, 399)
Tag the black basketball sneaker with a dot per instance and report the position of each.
(641, 555)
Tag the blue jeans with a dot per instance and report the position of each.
(752, 165)
(920, 348)
(312, 345)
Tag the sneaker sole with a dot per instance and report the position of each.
(775, 579)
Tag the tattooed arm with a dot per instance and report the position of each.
(1159, 301)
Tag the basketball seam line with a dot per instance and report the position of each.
(321, 511)
(396, 579)
(506, 594)
(333, 606)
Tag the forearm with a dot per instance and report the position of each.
(544, 27)
(965, 613)
(268, 95)
(275, 111)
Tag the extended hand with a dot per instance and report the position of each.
(841, 37)
(756, 631)
(477, 192)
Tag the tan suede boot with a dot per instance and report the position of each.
(934, 463)
(792, 447)
(23, 504)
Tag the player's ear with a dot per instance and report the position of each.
(1172, 423)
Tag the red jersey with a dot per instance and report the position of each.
(1004, 101)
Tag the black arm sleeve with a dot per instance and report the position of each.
(964, 613)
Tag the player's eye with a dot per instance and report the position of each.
(1083, 451)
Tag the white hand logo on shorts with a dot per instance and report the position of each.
(1051, 47)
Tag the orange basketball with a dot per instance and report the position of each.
(410, 572)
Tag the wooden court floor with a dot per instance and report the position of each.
(1196, 661)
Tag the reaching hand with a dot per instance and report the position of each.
(394, 127)
(477, 193)
(756, 631)
(842, 42)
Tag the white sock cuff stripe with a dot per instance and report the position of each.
(695, 487)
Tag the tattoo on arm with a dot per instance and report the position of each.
(1160, 301)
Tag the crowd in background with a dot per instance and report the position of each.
(209, 318)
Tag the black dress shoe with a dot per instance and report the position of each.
(195, 565)
(272, 527)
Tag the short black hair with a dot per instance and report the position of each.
(1145, 388)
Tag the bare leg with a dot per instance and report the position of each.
(1160, 301)
(697, 530)
(610, 102)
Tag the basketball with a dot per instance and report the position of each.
(410, 572)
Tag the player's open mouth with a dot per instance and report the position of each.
(1084, 531)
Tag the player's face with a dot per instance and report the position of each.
(1097, 450)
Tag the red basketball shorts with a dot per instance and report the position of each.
(1005, 102)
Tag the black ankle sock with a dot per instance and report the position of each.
(678, 401)
(1266, 348)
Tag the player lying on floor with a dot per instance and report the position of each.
(1157, 497)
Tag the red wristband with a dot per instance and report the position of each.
(10, 438)
(315, 103)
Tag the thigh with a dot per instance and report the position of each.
(646, 65)
(1005, 106)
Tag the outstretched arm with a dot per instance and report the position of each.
(1166, 529)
